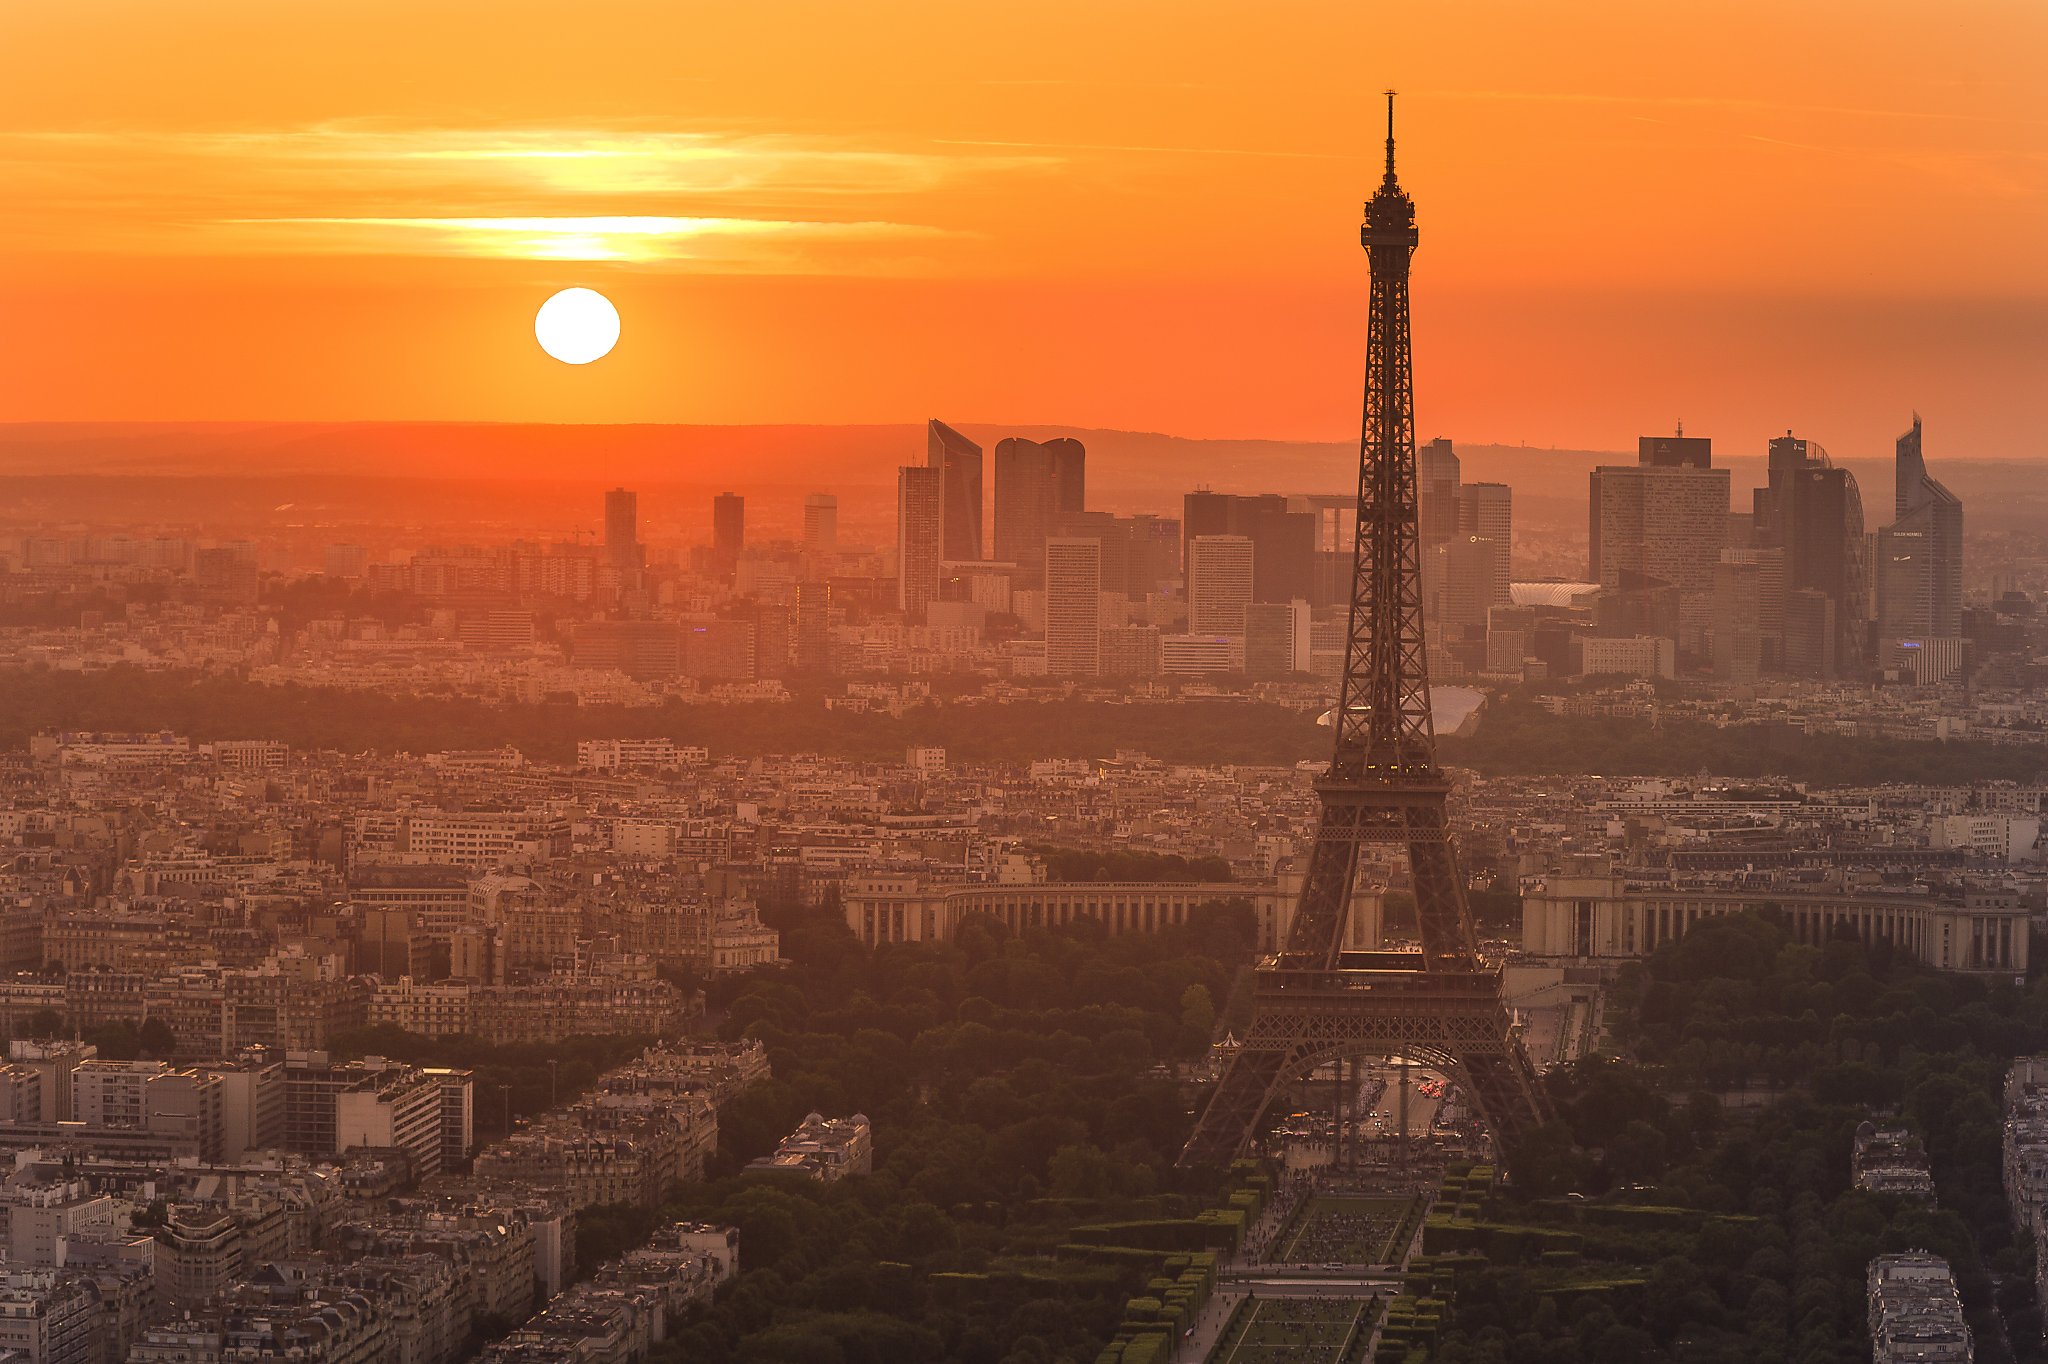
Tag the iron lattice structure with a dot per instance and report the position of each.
(1315, 1002)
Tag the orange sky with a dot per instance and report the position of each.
(1120, 213)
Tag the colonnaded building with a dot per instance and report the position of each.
(1598, 915)
(908, 907)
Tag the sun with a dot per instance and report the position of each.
(577, 326)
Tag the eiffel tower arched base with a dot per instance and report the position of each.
(1457, 1022)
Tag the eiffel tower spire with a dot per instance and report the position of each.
(1315, 1002)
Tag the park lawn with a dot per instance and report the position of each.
(1299, 1331)
(1355, 1229)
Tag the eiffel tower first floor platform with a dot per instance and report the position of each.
(1374, 1003)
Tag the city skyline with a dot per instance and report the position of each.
(802, 883)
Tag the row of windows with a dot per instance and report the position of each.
(898, 923)
(1991, 944)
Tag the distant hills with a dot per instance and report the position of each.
(1127, 470)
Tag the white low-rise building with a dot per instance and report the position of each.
(1593, 916)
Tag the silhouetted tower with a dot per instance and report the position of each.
(1317, 1003)
(728, 530)
(622, 535)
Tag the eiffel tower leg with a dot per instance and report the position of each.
(1508, 1098)
(1231, 1121)
(1443, 920)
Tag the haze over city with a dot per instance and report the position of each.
(1057, 684)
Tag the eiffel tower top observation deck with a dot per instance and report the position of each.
(1384, 736)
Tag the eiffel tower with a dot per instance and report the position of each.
(1316, 1003)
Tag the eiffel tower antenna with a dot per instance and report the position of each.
(1315, 1003)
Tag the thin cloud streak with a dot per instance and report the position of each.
(775, 201)
(1159, 151)
(1728, 102)
(644, 239)
(568, 157)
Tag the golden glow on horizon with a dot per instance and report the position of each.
(1751, 214)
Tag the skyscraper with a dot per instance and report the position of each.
(1675, 452)
(1749, 599)
(774, 638)
(1738, 618)
(1114, 532)
(1277, 638)
(813, 651)
(1037, 483)
(1285, 539)
(1221, 569)
(1814, 512)
(728, 529)
(1661, 523)
(1920, 570)
(821, 526)
(919, 495)
(1469, 582)
(1438, 475)
(1335, 521)
(1155, 554)
(1486, 511)
(1812, 632)
(1448, 509)
(958, 462)
(1073, 605)
(622, 533)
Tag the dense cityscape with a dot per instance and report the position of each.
(596, 885)
(332, 1050)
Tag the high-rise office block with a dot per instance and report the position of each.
(1749, 599)
(1335, 520)
(1920, 569)
(821, 526)
(1510, 638)
(1447, 509)
(623, 552)
(1221, 569)
(1738, 620)
(1813, 512)
(1812, 633)
(774, 638)
(1130, 650)
(622, 530)
(728, 529)
(1659, 526)
(1285, 539)
(1662, 523)
(1114, 533)
(720, 650)
(1486, 510)
(1469, 581)
(1073, 605)
(1154, 554)
(1675, 452)
(1037, 483)
(813, 651)
(640, 649)
(1277, 638)
(957, 460)
(347, 561)
(1438, 476)
(919, 495)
